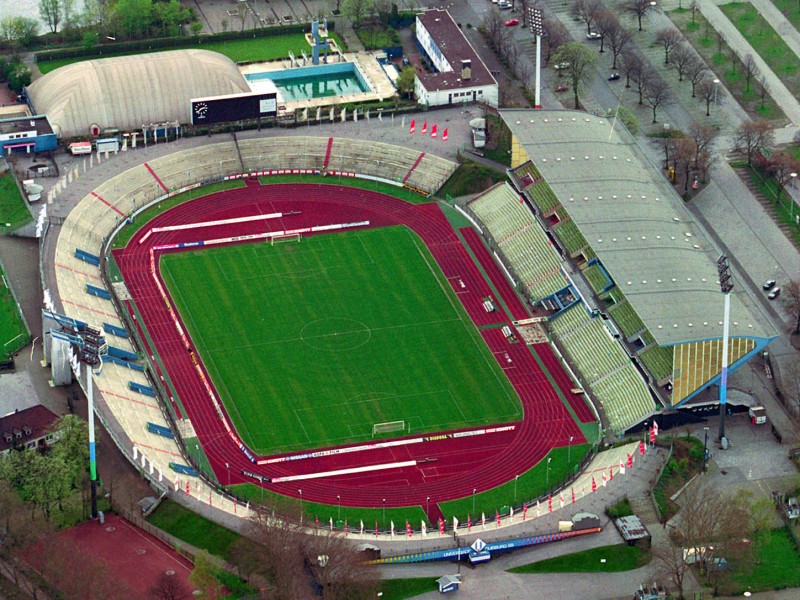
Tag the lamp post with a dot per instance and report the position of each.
(516, 477)
(705, 448)
(384, 512)
(716, 85)
(338, 507)
(652, 24)
(791, 200)
(548, 471)
(536, 27)
(474, 491)
(301, 505)
(228, 468)
(725, 285)
(569, 451)
(427, 507)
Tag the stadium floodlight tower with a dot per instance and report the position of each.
(725, 285)
(87, 344)
(537, 29)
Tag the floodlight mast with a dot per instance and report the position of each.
(537, 29)
(725, 285)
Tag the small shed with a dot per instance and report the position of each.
(448, 583)
(633, 531)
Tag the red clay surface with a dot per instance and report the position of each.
(450, 468)
(134, 557)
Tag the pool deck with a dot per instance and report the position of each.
(382, 87)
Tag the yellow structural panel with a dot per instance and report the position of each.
(518, 154)
(697, 363)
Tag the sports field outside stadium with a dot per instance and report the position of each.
(311, 343)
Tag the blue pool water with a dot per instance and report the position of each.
(320, 81)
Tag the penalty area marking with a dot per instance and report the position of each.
(381, 467)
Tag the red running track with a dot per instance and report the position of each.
(449, 468)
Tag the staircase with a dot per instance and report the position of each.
(767, 203)
(644, 508)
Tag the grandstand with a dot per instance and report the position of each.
(589, 183)
(516, 233)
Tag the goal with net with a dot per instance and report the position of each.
(284, 237)
(388, 427)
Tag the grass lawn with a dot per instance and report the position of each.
(619, 557)
(361, 184)
(13, 212)
(399, 589)
(361, 328)
(13, 334)
(530, 484)
(193, 529)
(246, 50)
(724, 63)
(766, 42)
(127, 232)
(779, 565)
(470, 178)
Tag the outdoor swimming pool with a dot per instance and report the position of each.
(306, 83)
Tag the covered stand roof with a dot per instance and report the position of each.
(636, 224)
(126, 92)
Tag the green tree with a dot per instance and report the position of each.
(90, 39)
(405, 82)
(357, 10)
(196, 27)
(71, 446)
(204, 574)
(19, 76)
(135, 16)
(17, 32)
(51, 13)
(171, 15)
(582, 66)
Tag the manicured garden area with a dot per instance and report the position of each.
(13, 212)
(193, 529)
(608, 559)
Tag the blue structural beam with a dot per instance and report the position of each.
(114, 330)
(142, 389)
(183, 469)
(86, 257)
(450, 554)
(121, 354)
(123, 363)
(97, 291)
(160, 430)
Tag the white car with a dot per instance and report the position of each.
(593, 35)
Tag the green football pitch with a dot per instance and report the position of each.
(311, 343)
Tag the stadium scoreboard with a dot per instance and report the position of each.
(237, 107)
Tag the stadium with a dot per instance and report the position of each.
(292, 317)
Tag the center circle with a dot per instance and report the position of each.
(335, 334)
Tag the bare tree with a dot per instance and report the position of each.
(668, 38)
(763, 89)
(792, 291)
(672, 565)
(683, 152)
(555, 36)
(587, 11)
(642, 78)
(682, 55)
(782, 164)
(694, 8)
(604, 23)
(618, 40)
(703, 135)
(696, 71)
(751, 70)
(338, 569)
(169, 587)
(631, 64)
(582, 65)
(750, 136)
(638, 8)
(708, 91)
(656, 93)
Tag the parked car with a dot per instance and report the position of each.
(613, 77)
(512, 22)
(593, 35)
(774, 293)
(504, 5)
(768, 285)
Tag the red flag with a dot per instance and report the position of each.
(316, 522)
(433, 131)
(209, 498)
(187, 487)
(413, 126)
(652, 435)
(234, 506)
(524, 511)
(642, 448)
(604, 479)
(424, 127)
(408, 528)
(376, 529)
(594, 485)
(497, 516)
(469, 523)
(444, 135)
(573, 495)
(550, 504)
(630, 461)
(611, 472)
(346, 528)
(441, 526)
(655, 427)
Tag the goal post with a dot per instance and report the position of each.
(388, 427)
(284, 237)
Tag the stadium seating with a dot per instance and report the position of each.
(658, 360)
(626, 318)
(604, 366)
(179, 169)
(543, 197)
(525, 245)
